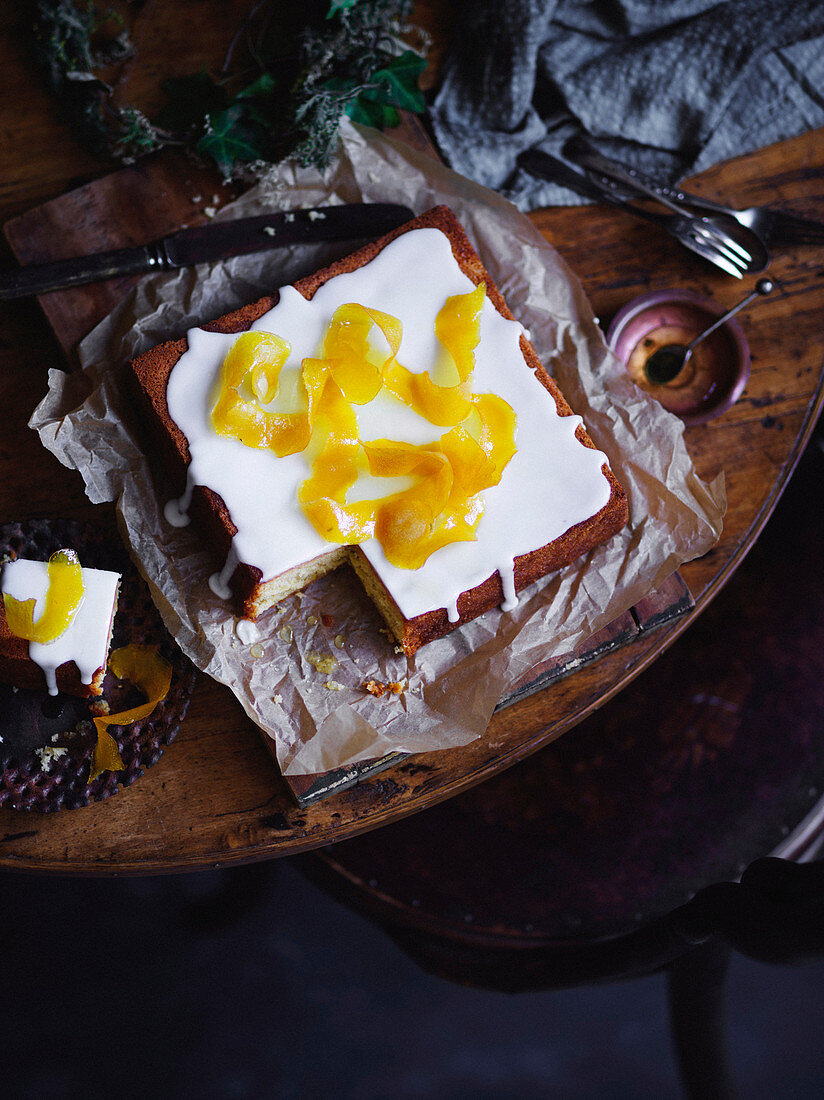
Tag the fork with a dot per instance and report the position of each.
(781, 227)
(776, 226)
(608, 174)
(695, 233)
(702, 238)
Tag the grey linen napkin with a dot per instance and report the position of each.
(666, 86)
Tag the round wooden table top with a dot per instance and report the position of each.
(216, 797)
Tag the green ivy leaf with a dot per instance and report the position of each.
(368, 112)
(230, 139)
(262, 88)
(259, 102)
(337, 6)
(400, 78)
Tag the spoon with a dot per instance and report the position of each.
(667, 362)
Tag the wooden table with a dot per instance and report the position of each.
(215, 797)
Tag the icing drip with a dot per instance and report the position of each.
(507, 574)
(177, 511)
(219, 582)
(247, 631)
(452, 612)
(50, 672)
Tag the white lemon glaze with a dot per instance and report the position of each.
(86, 639)
(552, 482)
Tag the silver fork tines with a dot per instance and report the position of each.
(724, 242)
(715, 250)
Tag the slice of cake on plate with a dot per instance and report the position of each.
(56, 622)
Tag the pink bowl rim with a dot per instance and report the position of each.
(658, 297)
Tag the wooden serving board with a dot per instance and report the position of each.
(137, 205)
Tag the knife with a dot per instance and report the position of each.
(539, 163)
(204, 243)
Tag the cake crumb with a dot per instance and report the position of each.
(48, 754)
(333, 685)
(378, 688)
(328, 621)
(210, 211)
(277, 698)
(316, 215)
(270, 230)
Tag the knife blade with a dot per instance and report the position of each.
(208, 243)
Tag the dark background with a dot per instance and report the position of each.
(252, 983)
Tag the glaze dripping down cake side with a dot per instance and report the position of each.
(470, 476)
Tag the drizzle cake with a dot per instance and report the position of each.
(283, 424)
(71, 656)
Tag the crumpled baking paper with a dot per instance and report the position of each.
(299, 672)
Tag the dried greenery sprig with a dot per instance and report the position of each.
(284, 94)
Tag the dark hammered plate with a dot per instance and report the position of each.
(33, 720)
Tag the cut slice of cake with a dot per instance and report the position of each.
(51, 637)
(388, 411)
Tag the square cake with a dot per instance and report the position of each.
(387, 411)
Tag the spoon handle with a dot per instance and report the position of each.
(608, 174)
(763, 286)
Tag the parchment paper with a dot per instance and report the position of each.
(316, 710)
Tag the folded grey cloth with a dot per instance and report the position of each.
(666, 86)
